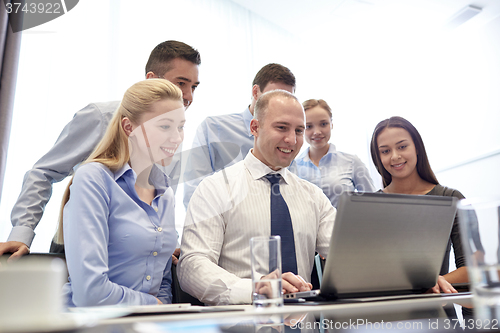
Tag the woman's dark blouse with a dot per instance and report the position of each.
(455, 239)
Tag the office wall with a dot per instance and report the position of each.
(446, 82)
(466, 142)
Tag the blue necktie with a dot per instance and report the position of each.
(281, 224)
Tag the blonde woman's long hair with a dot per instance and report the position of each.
(113, 149)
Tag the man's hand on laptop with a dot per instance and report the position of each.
(291, 283)
(294, 283)
(443, 286)
(18, 249)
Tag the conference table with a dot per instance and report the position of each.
(430, 314)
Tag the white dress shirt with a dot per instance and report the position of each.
(232, 206)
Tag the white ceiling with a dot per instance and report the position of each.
(304, 18)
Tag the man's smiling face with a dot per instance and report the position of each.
(279, 134)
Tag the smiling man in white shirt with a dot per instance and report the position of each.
(232, 206)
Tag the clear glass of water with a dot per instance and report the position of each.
(480, 229)
(266, 271)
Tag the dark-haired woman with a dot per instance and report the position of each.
(399, 154)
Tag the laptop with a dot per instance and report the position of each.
(385, 244)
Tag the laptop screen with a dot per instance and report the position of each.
(386, 243)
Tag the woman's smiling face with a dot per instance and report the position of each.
(318, 127)
(397, 152)
(161, 131)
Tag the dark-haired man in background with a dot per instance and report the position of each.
(221, 141)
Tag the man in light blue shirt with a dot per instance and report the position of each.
(221, 141)
(171, 60)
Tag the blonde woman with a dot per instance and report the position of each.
(117, 217)
(322, 164)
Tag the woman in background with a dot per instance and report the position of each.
(118, 211)
(321, 164)
(399, 154)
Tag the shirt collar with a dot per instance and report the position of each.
(332, 149)
(305, 156)
(258, 169)
(121, 172)
(247, 118)
(157, 177)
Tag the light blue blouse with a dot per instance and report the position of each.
(118, 248)
(337, 172)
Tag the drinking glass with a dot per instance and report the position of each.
(266, 271)
(480, 224)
